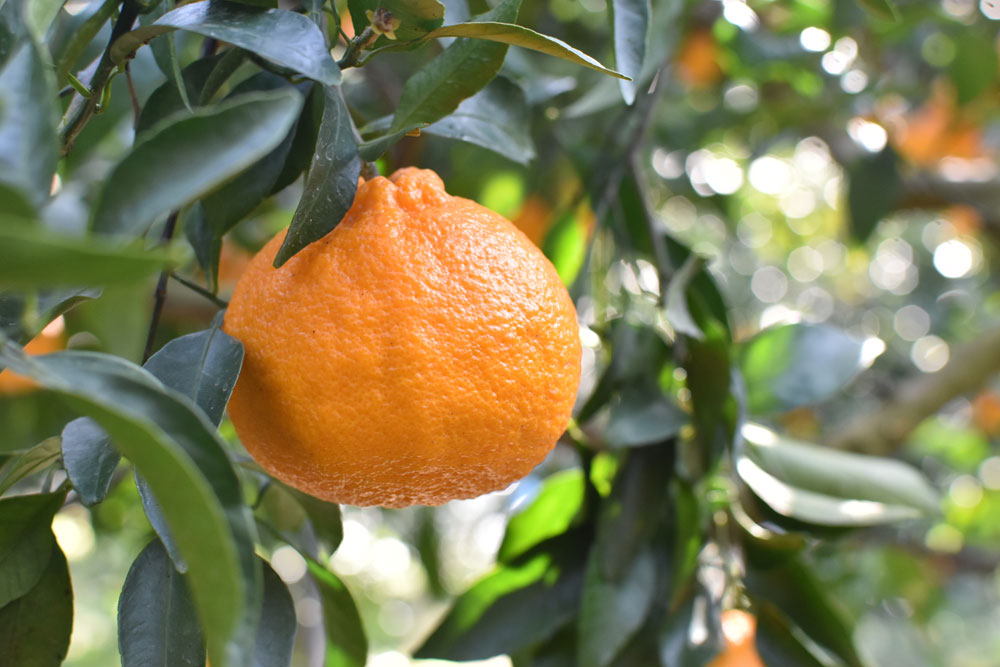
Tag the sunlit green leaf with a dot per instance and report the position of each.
(551, 513)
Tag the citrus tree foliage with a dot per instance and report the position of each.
(677, 160)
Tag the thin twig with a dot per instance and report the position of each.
(160, 296)
(356, 46)
(195, 287)
(82, 109)
(136, 107)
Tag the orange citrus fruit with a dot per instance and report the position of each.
(738, 628)
(698, 59)
(424, 350)
(51, 339)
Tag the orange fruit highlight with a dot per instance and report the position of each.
(739, 628)
(697, 59)
(424, 350)
(51, 339)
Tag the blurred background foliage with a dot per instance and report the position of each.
(816, 181)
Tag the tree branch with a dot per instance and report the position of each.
(884, 429)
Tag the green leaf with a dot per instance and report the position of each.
(26, 541)
(202, 366)
(504, 31)
(882, 9)
(32, 257)
(551, 513)
(276, 630)
(24, 314)
(281, 36)
(692, 633)
(676, 299)
(82, 36)
(974, 69)
(779, 643)
(416, 17)
(630, 31)
(332, 182)
(157, 624)
(346, 643)
(612, 611)
(165, 53)
(89, 458)
(462, 69)
(185, 158)
(35, 628)
(519, 605)
(28, 118)
(797, 364)
(177, 451)
(373, 149)
(166, 100)
(643, 416)
(709, 378)
(325, 518)
(304, 143)
(36, 459)
(39, 14)
(872, 186)
(831, 487)
(495, 118)
(797, 592)
(629, 516)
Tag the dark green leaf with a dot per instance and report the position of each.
(872, 186)
(332, 182)
(325, 519)
(517, 606)
(551, 513)
(81, 36)
(157, 624)
(831, 487)
(176, 450)
(166, 100)
(36, 459)
(35, 628)
(643, 416)
(32, 257)
(304, 143)
(165, 52)
(202, 366)
(26, 541)
(346, 643)
(797, 364)
(28, 118)
(796, 591)
(90, 459)
(24, 314)
(630, 31)
(974, 69)
(692, 633)
(416, 17)
(185, 158)
(611, 611)
(276, 631)
(239, 197)
(709, 378)
(158, 520)
(373, 149)
(283, 37)
(462, 69)
(629, 516)
(495, 118)
(778, 642)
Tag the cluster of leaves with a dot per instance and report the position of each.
(681, 506)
